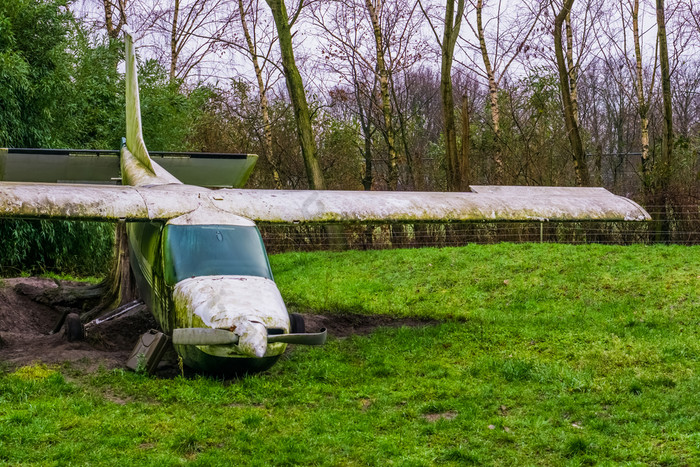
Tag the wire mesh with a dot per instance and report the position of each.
(676, 225)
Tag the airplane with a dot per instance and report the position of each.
(198, 258)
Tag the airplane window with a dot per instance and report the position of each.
(212, 250)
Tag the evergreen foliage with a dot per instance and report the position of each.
(34, 71)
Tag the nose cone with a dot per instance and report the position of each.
(246, 305)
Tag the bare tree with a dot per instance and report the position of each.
(109, 16)
(457, 176)
(643, 99)
(374, 10)
(189, 30)
(508, 40)
(570, 120)
(686, 99)
(616, 55)
(252, 48)
(465, 150)
(667, 135)
(346, 53)
(366, 44)
(404, 53)
(112, 9)
(295, 86)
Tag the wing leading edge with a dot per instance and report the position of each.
(163, 202)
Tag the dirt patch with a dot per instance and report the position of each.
(434, 417)
(344, 325)
(25, 326)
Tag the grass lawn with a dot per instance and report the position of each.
(547, 354)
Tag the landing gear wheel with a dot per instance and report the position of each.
(296, 322)
(75, 331)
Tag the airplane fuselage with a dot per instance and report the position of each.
(207, 270)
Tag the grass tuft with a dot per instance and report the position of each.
(460, 456)
(576, 446)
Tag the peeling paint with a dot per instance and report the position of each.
(135, 173)
(67, 201)
(210, 216)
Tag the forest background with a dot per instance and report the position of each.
(367, 94)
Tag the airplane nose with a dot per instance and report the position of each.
(252, 340)
(245, 305)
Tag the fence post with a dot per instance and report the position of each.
(541, 231)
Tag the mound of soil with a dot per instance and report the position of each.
(25, 324)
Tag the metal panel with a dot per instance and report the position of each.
(66, 165)
(214, 170)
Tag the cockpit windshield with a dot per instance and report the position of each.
(212, 250)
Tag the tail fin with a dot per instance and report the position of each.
(134, 135)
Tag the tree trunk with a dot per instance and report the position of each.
(173, 41)
(367, 178)
(410, 183)
(119, 287)
(365, 124)
(465, 163)
(581, 170)
(383, 74)
(449, 38)
(573, 72)
(599, 165)
(116, 289)
(113, 30)
(667, 135)
(642, 103)
(264, 107)
(493, 95)
(295, 86)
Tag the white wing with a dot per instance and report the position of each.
(164, 202)
(484, 203)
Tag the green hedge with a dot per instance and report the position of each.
(68, 247)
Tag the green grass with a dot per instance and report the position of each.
(62, 277)
(547, 354)
(72, 277)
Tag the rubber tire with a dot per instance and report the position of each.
(296, 322)
(75, 331)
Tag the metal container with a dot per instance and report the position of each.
(148, 352)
